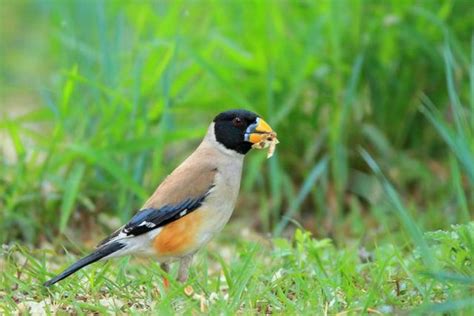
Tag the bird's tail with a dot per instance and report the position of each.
(100, 253)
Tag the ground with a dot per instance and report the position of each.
(252, 275)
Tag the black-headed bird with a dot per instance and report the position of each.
(193, 203)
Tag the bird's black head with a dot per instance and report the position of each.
(234, 128)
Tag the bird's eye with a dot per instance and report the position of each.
(238, 122)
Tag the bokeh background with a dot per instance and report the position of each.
(102, 99)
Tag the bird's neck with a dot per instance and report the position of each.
(210, 141)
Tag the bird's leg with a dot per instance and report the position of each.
(165, 267)
(183, 272)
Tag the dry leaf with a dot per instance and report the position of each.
(188, 290)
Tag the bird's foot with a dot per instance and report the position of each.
(166, 283)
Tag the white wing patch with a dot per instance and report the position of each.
(147, 224)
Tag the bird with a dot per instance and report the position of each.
(192, 204)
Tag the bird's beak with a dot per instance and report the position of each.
(258, 131)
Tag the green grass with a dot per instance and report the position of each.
(300, 277)
(114, 90)
(373, 103)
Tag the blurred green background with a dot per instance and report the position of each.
(101, 99)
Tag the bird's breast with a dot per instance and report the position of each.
(219, 205)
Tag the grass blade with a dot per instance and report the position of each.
(313, 176)
(71, 192)
(403, 215)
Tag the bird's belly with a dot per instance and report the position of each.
(215, 221)
(188, 234)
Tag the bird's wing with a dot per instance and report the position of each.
(151, 218)
(182, 192)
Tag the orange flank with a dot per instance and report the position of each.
(178, 238)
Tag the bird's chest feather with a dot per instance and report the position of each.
(220, 203)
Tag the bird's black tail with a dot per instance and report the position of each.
(93, 257)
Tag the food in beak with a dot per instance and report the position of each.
(261, 135)
(268, 140)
